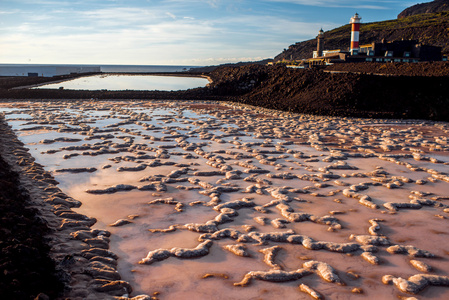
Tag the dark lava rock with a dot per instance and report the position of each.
(426, 69)
(343, 94)
(26, 271)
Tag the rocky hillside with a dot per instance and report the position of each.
(342, 94)
(431, 29)
(425, 8)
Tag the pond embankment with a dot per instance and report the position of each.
(414, 91)
(26, 269)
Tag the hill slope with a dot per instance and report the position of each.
(429, 29)
(425, 8)
(344, 94)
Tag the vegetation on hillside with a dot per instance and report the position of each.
(425, 8)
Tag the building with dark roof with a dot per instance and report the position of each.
(401, 51)
(394, 51)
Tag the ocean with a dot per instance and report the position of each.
(144, 69)
(61, 69)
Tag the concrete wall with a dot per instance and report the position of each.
(45, 71)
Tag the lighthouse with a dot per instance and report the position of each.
(355, 22)
(320, 43)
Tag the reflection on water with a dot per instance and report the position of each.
(166, 138)
(130, 82)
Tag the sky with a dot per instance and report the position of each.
(170, 32)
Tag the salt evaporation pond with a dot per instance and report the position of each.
(271, 206)
(130, 82)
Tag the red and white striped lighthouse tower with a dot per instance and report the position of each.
(355, 21)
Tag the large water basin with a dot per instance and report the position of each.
(130, 82)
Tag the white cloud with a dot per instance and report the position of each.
(10, 12)
(122, 16)
(156, 32)
(223, 60)
(145, 44)
(263, 29)
(165, 44)
(143, 36)
(171, 15)
(361, 4)
(213, 3)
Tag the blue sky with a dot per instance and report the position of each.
(173, 32)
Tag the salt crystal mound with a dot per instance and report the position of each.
(252, 185)
(273, 275)
(414, 284)
(311, 292)
(269, 256)
(420, 266)
(239, 249)
(161, 254)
